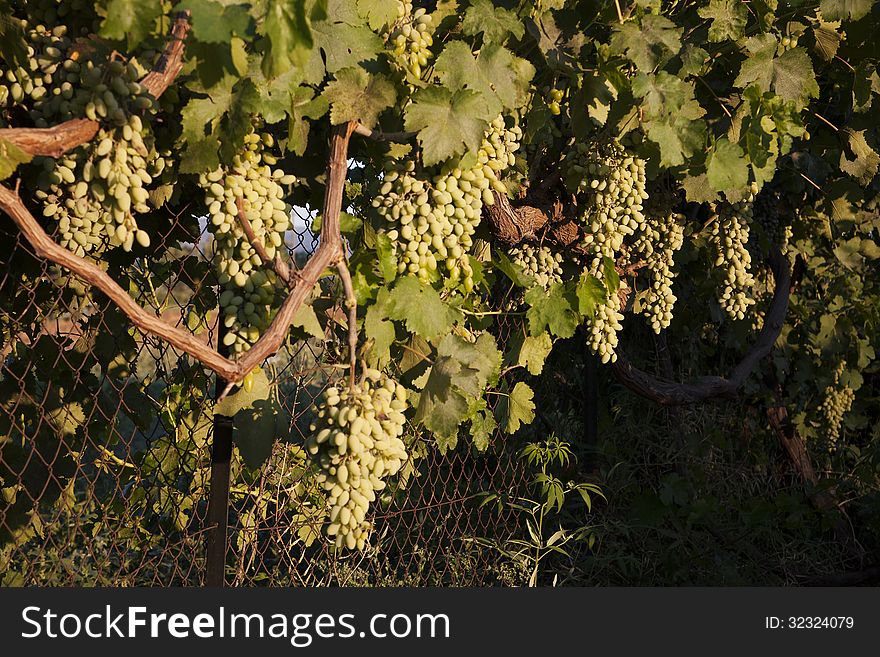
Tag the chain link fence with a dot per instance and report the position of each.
(106, 449)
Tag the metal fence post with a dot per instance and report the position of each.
(218, 501)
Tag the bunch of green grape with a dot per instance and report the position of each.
(409, 40)
(60, 83)
(603, 329)
(837, 403)
(433, 218)
(94, 191)
(247, 301)
(656, 244)
(540, 262)
(729, 237)
(610, 184)
(356, 443)
(79, 15)
(787, 43)
(555, 98)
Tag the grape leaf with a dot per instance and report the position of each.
(442, 408)
(378, 12)
(307, 320)
(243, 399)
(448, 123)
(13, 43)
(551, 309)
(655, 41)
(256, 429)
(495, 23)
(837, 10)
(344, 37)
(378, 328)
(288, 30)
(516, 408)
(729, 18)
(213, 22)
(483, 425)
(130, 20)
(698, 190)
(865, 164)
(672, 116)
(493, 73)
(610, 276)
(827, 40)
(304, 105)
(386, 256)
(590, 292)
(512, 270)
(355, 95)
(534, 352)
(10, 157)
(727, 169)
(454, 383)
(421, 308)
(789, 75)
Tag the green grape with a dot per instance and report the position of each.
(408, 40)
(433, 218)
(729, 237)
(609, 183)
(94, 191)
(837, 402)
(540, 262)
(656, 244)
(356, 444)
(247, 300)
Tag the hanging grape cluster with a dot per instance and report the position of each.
(432, 218)
(729, 237)
(656, 244)
(610, 185)
(95, 190)
(540, 262)
(837, 403)
(247, 300)
(409, 40)
(356, 443)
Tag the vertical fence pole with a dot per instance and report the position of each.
(218, 501)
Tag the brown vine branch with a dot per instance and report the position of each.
(57, 140)
(327, 253)
(277, 264)
(671, 393)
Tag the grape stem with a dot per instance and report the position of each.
(351, 303)
(277, 264)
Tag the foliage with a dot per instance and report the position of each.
(739, 130)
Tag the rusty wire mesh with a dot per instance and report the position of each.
(105, 451)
